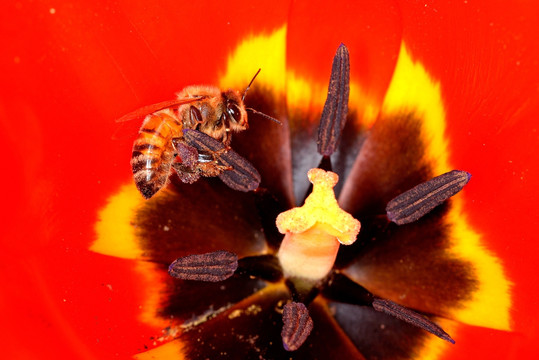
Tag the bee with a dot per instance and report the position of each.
(206, 109)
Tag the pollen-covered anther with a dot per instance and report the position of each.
(214, 266)
(297, 325)
(315, 230)
(420, 200)
(411, 317)
(336, 107)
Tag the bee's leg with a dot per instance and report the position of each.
(209, 162)
(187, 154)
(216, 155)
(211, 169)
(227, 138)
(186, 174)
(187, 160)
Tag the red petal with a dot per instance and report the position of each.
(370, 30)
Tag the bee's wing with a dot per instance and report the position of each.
(149, 109)
(128, 129)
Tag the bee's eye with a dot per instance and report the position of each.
(234, 111)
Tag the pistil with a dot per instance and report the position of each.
(314, 231)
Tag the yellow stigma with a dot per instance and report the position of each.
(314, 231)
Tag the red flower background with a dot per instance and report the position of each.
(70, 69)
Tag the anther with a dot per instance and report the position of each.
(411, 317)
(420, 200)
(214, 266)
(297, 325)
(336, 107)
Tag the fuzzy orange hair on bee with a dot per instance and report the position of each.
(206, 109)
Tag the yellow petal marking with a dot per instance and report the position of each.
(115, 232)
(303, 94)
(433, 347)
(413, 90)
(264, 51)
(171, 350)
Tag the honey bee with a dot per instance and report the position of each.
(206, 109)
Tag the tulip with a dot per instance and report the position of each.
(85, 256)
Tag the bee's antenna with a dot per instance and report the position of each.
(264, 115)
(253, 110)
(248, 86)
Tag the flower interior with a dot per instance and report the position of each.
(313, 234)
(250, 274)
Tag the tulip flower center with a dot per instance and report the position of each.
(314, 231)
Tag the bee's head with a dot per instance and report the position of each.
(234, 115)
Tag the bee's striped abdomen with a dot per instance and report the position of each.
(153, 152)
